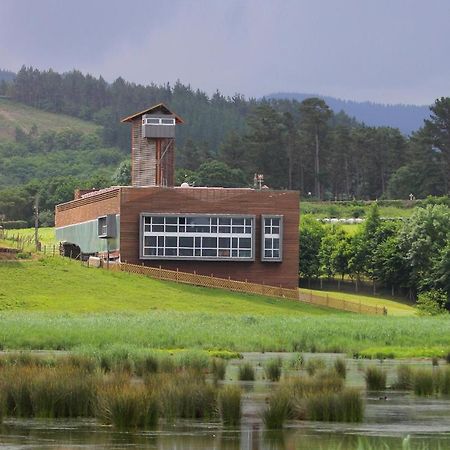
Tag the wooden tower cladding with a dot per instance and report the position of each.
(153, 146)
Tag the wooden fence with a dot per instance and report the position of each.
(246, 287)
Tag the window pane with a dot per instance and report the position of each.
(160, 241)
(275, 222)
(186, 251)
(267, 243)
(171, 252)
(186, 242)
(267, 230)
(224, 253)
(224, 242)
(147, 228)
(181, 219)
(275, 230)
(171, 220)
(268, 253)
(276, 253)
(245, 243)
(238, 229)
(171, 241)
(224, 229)
(147, 220)
(150, 241)
(225, 221)
(182, 229)
(238, 221)
(209, 242)
(276, 243)
(160, 251)
(198, 241)
(149, 251)
(158, 220)
(209, 252)
(171, 228)
(157, 228)
(244, 254)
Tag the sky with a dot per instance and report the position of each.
(388, 51)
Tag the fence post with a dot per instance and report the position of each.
(160, 272)
(177, 275)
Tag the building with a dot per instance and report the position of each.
(242, 234)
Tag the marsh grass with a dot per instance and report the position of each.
(405, 377)
(345, 406)
(277, 411)
(32, 391)
(246, 372)
(340, 367)
(128, 406)
(272, 369)
(445, 381)
(375, 378)
(424, 382)
(295, 362)
(230, 405)
(218, 369)
(315, 364)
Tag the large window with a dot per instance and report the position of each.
(215, 237)
(271, 238)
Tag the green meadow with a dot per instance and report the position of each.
(58, 304)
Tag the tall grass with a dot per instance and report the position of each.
(218, 369)
(423, 382)
(345, 406)
(272, 369)
(128, 406)
(405, 375)
(375, 378)
(277, 411)
(229, 402)
(340, 367)
(315, 364)
(246, 372)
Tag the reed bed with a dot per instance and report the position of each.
(424, 381)
(340, 367)
(218, 369)
(230, 405)
(321, 397)
(375, 378)
(272, 368)
(315, 364)
(246, 372)
(405, 378)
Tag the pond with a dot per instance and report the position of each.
(393, 420)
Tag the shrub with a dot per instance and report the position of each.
(229, 401)
(423, 383)
(246, 372)
(432, 303)
(218, 369)
(273, 369)
(405, 377)
(314, 364)
(375, 378)
(340, 367)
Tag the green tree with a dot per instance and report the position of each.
(315, 114)
(122, 175)
(310, 237)
(217, 173)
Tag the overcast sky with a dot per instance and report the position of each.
(391, 51)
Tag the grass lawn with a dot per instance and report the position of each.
(395, 308)
(55, 303)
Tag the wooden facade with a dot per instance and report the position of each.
(130, 202)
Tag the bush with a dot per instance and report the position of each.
(375, 378)
(229, 401)
(432, 303)
(273, 369)
(14, 224)
(246, 372)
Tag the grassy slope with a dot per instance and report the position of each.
(14, 115)
(60, 285)
(395, 308)
(58, 304)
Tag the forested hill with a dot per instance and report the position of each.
(407, 118)
(6, 75)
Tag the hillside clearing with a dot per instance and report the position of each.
(14, 115)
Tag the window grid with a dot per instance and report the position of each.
(197, 237)
(271, 238)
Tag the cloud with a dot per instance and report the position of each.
(383, 51)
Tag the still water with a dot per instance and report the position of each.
(399, 421)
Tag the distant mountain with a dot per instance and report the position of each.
(407, 118)
(6, 75)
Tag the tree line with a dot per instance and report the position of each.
(406, 256)
(295, 145)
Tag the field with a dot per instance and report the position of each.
(58, 304)
(14, 115)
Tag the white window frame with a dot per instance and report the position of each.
(267, 232)
(235, 227)
(158, 121)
